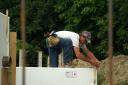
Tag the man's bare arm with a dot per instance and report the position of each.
(79, 55)
(91, 60)
(89, 54)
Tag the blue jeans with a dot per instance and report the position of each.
(54, 51)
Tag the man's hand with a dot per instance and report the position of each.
(96, 63)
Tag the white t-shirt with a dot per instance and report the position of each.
(71, 35)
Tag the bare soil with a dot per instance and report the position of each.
(120, 71)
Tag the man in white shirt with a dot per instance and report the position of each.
(69, 42)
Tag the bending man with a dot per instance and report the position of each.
(68, 42)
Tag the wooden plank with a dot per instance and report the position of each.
(4, 79)
(12, 50)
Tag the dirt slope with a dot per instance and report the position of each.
(120, 71)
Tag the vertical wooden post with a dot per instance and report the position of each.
(4, 79)
(39, 58)
(12, 53)
(9, 73)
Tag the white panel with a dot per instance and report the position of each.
(4, 38)
(57, 76)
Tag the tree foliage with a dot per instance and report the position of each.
(88, 15)
(73, 15)
(120, 26)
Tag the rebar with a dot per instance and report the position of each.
(110, 42)
(23, 37)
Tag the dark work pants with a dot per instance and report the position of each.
(54, 51)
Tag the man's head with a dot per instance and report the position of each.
(85, 37)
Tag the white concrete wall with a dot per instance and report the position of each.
(4, 38)
(57, 76)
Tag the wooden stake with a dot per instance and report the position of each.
(12, 53)
(9, 73)
(4, 79)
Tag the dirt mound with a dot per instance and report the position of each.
(120, 71)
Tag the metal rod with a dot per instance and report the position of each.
(23, 37)
(110, 42)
